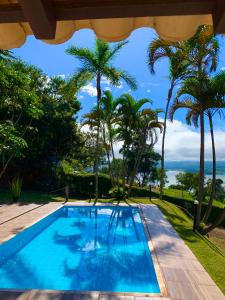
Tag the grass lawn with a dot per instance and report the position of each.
(186, 196)
(212, 260)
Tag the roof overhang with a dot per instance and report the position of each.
(112, 20)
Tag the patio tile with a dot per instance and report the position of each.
(209, 292)
(183, 291)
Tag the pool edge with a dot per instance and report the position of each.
(99, 294)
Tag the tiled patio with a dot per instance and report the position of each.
(182, 274)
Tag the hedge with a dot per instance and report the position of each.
(84, 184)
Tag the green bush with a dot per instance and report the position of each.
(84, 184)
(118, 193)
(15, 188)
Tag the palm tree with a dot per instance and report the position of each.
(108, 107)
(128, 123)
(96, 64)
(107, 115)
(200, 99)
(198, 56)
(202, 53)
(178, 71)
(147, 134)
(218, 94)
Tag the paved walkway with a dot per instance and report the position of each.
(183, 276)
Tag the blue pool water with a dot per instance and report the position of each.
(81, 249)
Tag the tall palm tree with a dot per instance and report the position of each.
(218, 94)
(199, 56)
(202, 53)
(178, 71)
(200, 99)
(96, 64)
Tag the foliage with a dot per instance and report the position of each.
(219, 189)
(147, 169)
(188, 181)
(96, 64)
(15, 188)
(118, 193)
(82, 184)
(19, 108)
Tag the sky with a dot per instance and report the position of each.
(182, 141)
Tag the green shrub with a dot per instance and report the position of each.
(118, 193)
(84, 184)
(15, 188)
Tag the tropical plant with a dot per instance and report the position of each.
(178, 71)
(200, 97)
(107, 116)
(202, 54)
(119, 193)
(15, 188)
(136, 128)
(96, 64)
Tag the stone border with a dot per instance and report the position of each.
(159, 274)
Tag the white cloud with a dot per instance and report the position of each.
(120, 86)
(223, 69)
(80, 97)
(105, 81)
(89, 89)
(183, 143)
(107, 88)
(148, 91)
(63, 76)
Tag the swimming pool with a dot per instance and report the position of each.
(81, 248)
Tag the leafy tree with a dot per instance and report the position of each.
(219, 189)
(96, 64)
(19, 107)
(147, 170)
(188, 181)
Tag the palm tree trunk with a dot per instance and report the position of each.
(97, 139)
(201, 169)
(137, 161)
(170, 93)
(213, 187)
(108, 155)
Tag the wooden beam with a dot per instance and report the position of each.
(97, 9)
(40, 15)
(11, 13)
(219, 16)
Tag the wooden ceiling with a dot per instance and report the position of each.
(43, 14)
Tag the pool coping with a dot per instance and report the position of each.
(160, 278)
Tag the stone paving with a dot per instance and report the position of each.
(181, 274)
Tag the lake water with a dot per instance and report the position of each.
(175, 167)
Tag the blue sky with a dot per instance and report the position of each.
(53, 60)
